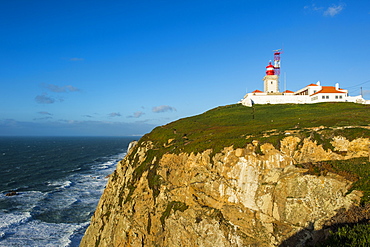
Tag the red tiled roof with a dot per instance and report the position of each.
(257, 91)
(328, 89)
(288, 91)
(311, 85)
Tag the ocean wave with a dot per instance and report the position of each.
(55, 205)
(38, 233)
(10, 220)
(60, 184)
(22, 202)
(110, 162)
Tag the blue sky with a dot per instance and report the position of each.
(121, 68)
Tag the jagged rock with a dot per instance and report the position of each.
(11, 193)
(236, 197)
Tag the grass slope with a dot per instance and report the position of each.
(232, 124)
(237, 125)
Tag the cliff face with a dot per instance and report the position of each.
(251, 196)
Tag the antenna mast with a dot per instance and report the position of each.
(277, 61)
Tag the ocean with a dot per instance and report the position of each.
(58, 182)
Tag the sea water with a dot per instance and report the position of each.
(58, 182)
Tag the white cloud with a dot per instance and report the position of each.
(71, 88)
(365, 92)
(163, 108)
(63, 89)
(76, 59)
(330, 11)
(313, 7)
(115, 114)
(44, 99)
(11, 127)
(136, 114)
(45, 113)
(333, 10)
(42, 118)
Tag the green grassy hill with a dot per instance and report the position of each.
(237, 125)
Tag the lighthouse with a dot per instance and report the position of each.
(310, 94)
(271, 80)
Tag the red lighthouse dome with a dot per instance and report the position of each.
(270, 69)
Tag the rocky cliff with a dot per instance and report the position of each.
(254, 195)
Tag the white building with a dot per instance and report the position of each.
(312, 93)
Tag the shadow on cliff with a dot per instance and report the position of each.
(356, 215)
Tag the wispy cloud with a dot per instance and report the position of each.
(331, 11)
(136, 114)
(114, 114)
(63, 89)
(11, 127)
(89, 116)
(9, 123)
(72, 88)
(365, 92)
(163, 108)
(42, 118)
(313, 7)
(45, 113)
(44, 99)
(76, 59)
(334, 10)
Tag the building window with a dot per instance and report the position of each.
(272, 82)
(336, 96)
(327, 97)
(323, 97)
(340, 96)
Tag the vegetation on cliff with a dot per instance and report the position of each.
(356, 170)
(347, 236)
(237, 126)
(227, 178)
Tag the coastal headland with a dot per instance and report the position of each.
(267, 175)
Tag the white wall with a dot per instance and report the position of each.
(262, 99)
(276, 99)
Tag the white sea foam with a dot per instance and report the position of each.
(11, 220)
(39, 218)
(23, 201)
(60, 184)
(66, 184)
(37, 233)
